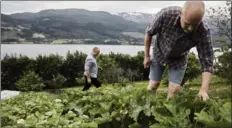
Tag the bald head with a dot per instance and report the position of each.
(192, 14)
(95, 51)
(196, 5)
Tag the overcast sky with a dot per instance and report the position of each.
(8, 7)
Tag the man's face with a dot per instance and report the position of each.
(188, 22)
(96, 53)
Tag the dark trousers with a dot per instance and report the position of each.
(94, 81)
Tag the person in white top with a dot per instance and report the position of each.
(91, 70)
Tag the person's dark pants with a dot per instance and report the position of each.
(94, 81)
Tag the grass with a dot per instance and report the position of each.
(218, 87)
(216, 83)
(214, 80)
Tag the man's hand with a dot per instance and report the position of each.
(89, 80)
(203, 93)
(146, 62)
(86, 73)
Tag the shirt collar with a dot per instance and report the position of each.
(177, 21)
(93, 56)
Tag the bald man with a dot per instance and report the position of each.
(91, 70)
(178, 30)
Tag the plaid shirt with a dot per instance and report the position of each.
(166, 27)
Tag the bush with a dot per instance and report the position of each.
(30, 81)
(123, 81)
(110, 72)
(73, 67)
(111, 68)
(131, 75)
(80, 80)
(133, 64)
(57, 82)
(48, 66)
(224, 65)
(113, 75)
(193, 68)
(12, 67)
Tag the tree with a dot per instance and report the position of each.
(222, 21)
(223, 68)
(109, 70)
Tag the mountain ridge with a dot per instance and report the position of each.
(75, 25)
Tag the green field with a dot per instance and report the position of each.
(131, 106)
(59, 41)
(134, 34)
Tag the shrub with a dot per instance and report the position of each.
(57, 82)
(111, 68)
(123, 81)
(30, 81)
(73, 67)
(12, 67)
(80, 80)
(110, 73)
(48, 66)
(224, 66)
(193, 68)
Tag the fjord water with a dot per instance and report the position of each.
(33, 50)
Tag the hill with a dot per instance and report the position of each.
(72, 24)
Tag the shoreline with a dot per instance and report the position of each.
(78, 44)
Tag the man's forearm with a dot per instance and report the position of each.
(147, 43)
(206, 78)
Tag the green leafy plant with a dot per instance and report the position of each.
(218, 115)
(80, 80)
(57, 82)
(224, 63)
(114, 107)
(30, 81)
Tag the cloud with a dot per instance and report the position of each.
(8, 7)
